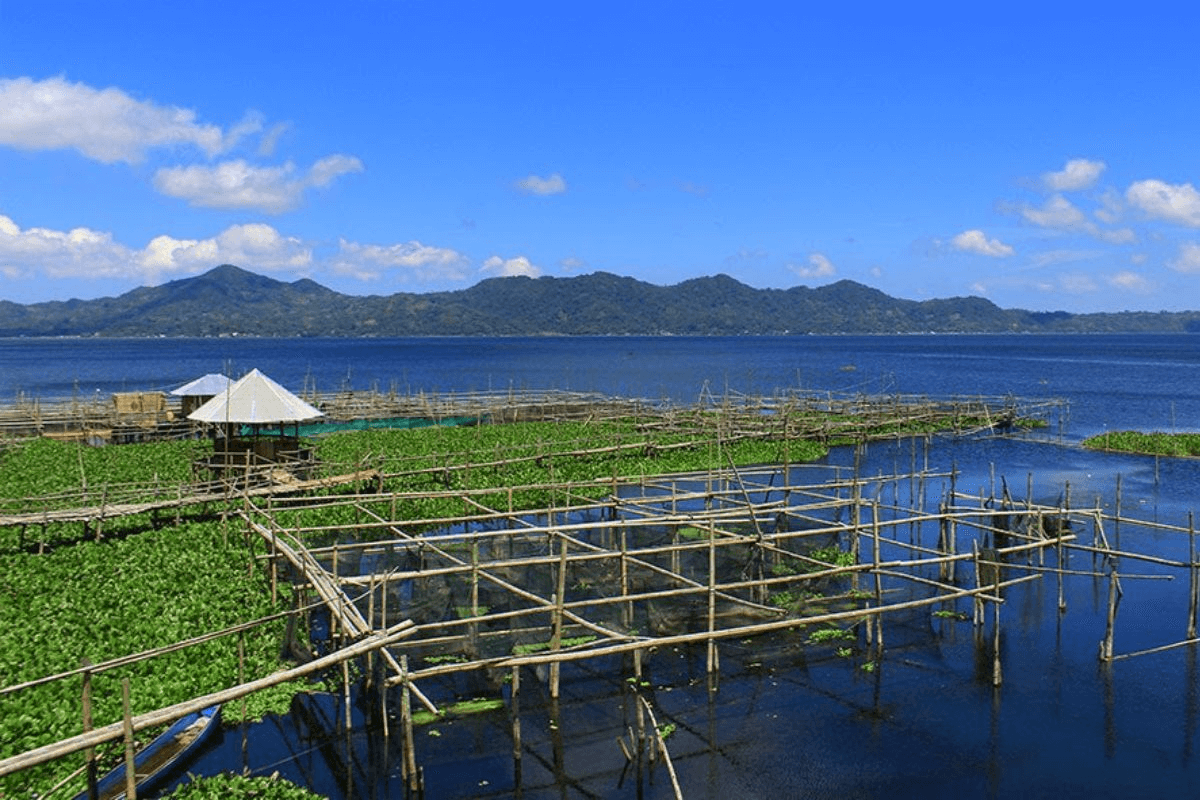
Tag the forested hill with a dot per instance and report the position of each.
(228, 300)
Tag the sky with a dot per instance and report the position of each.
(1043, 156)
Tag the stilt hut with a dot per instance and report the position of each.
(200, 391)
(256, 428)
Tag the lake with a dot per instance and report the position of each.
(927, 722)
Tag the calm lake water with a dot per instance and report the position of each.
(927, 722)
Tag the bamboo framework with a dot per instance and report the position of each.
(628, 567)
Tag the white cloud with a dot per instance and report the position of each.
(534, 184)
(106, 125)
(975, 241)
(1188, 260)
(1057, 212)
(506, 268)
(78, 252)
(237, 184)
(818, 266)
(261, 247)
(1079, 173)
(256, 247)
(1173, 203)
(83, 253)
(419, 261)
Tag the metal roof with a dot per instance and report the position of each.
(211, 384)
(255, 399)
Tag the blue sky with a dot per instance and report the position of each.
(1040, 155)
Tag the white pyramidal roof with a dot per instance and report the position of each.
(211, 384)
(254, 399)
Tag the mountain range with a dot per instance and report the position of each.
(228, 300)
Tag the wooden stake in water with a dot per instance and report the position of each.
(996, 676)
(1114, 591)
(410, 757)
(878, 579)
(712, 597)
(89, 753)
(130, 769)
(516, 718)
(1193, 583)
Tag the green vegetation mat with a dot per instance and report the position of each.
(1152, 444)
(239, 787)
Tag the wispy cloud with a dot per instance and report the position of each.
(1188, 260)
(238, 184)
(1129, 281)
(416, 261)
(976, 241)
(534, 184)
(1060, 214)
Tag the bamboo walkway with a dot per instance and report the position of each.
(218, 492)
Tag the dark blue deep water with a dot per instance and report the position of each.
(926, 723)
